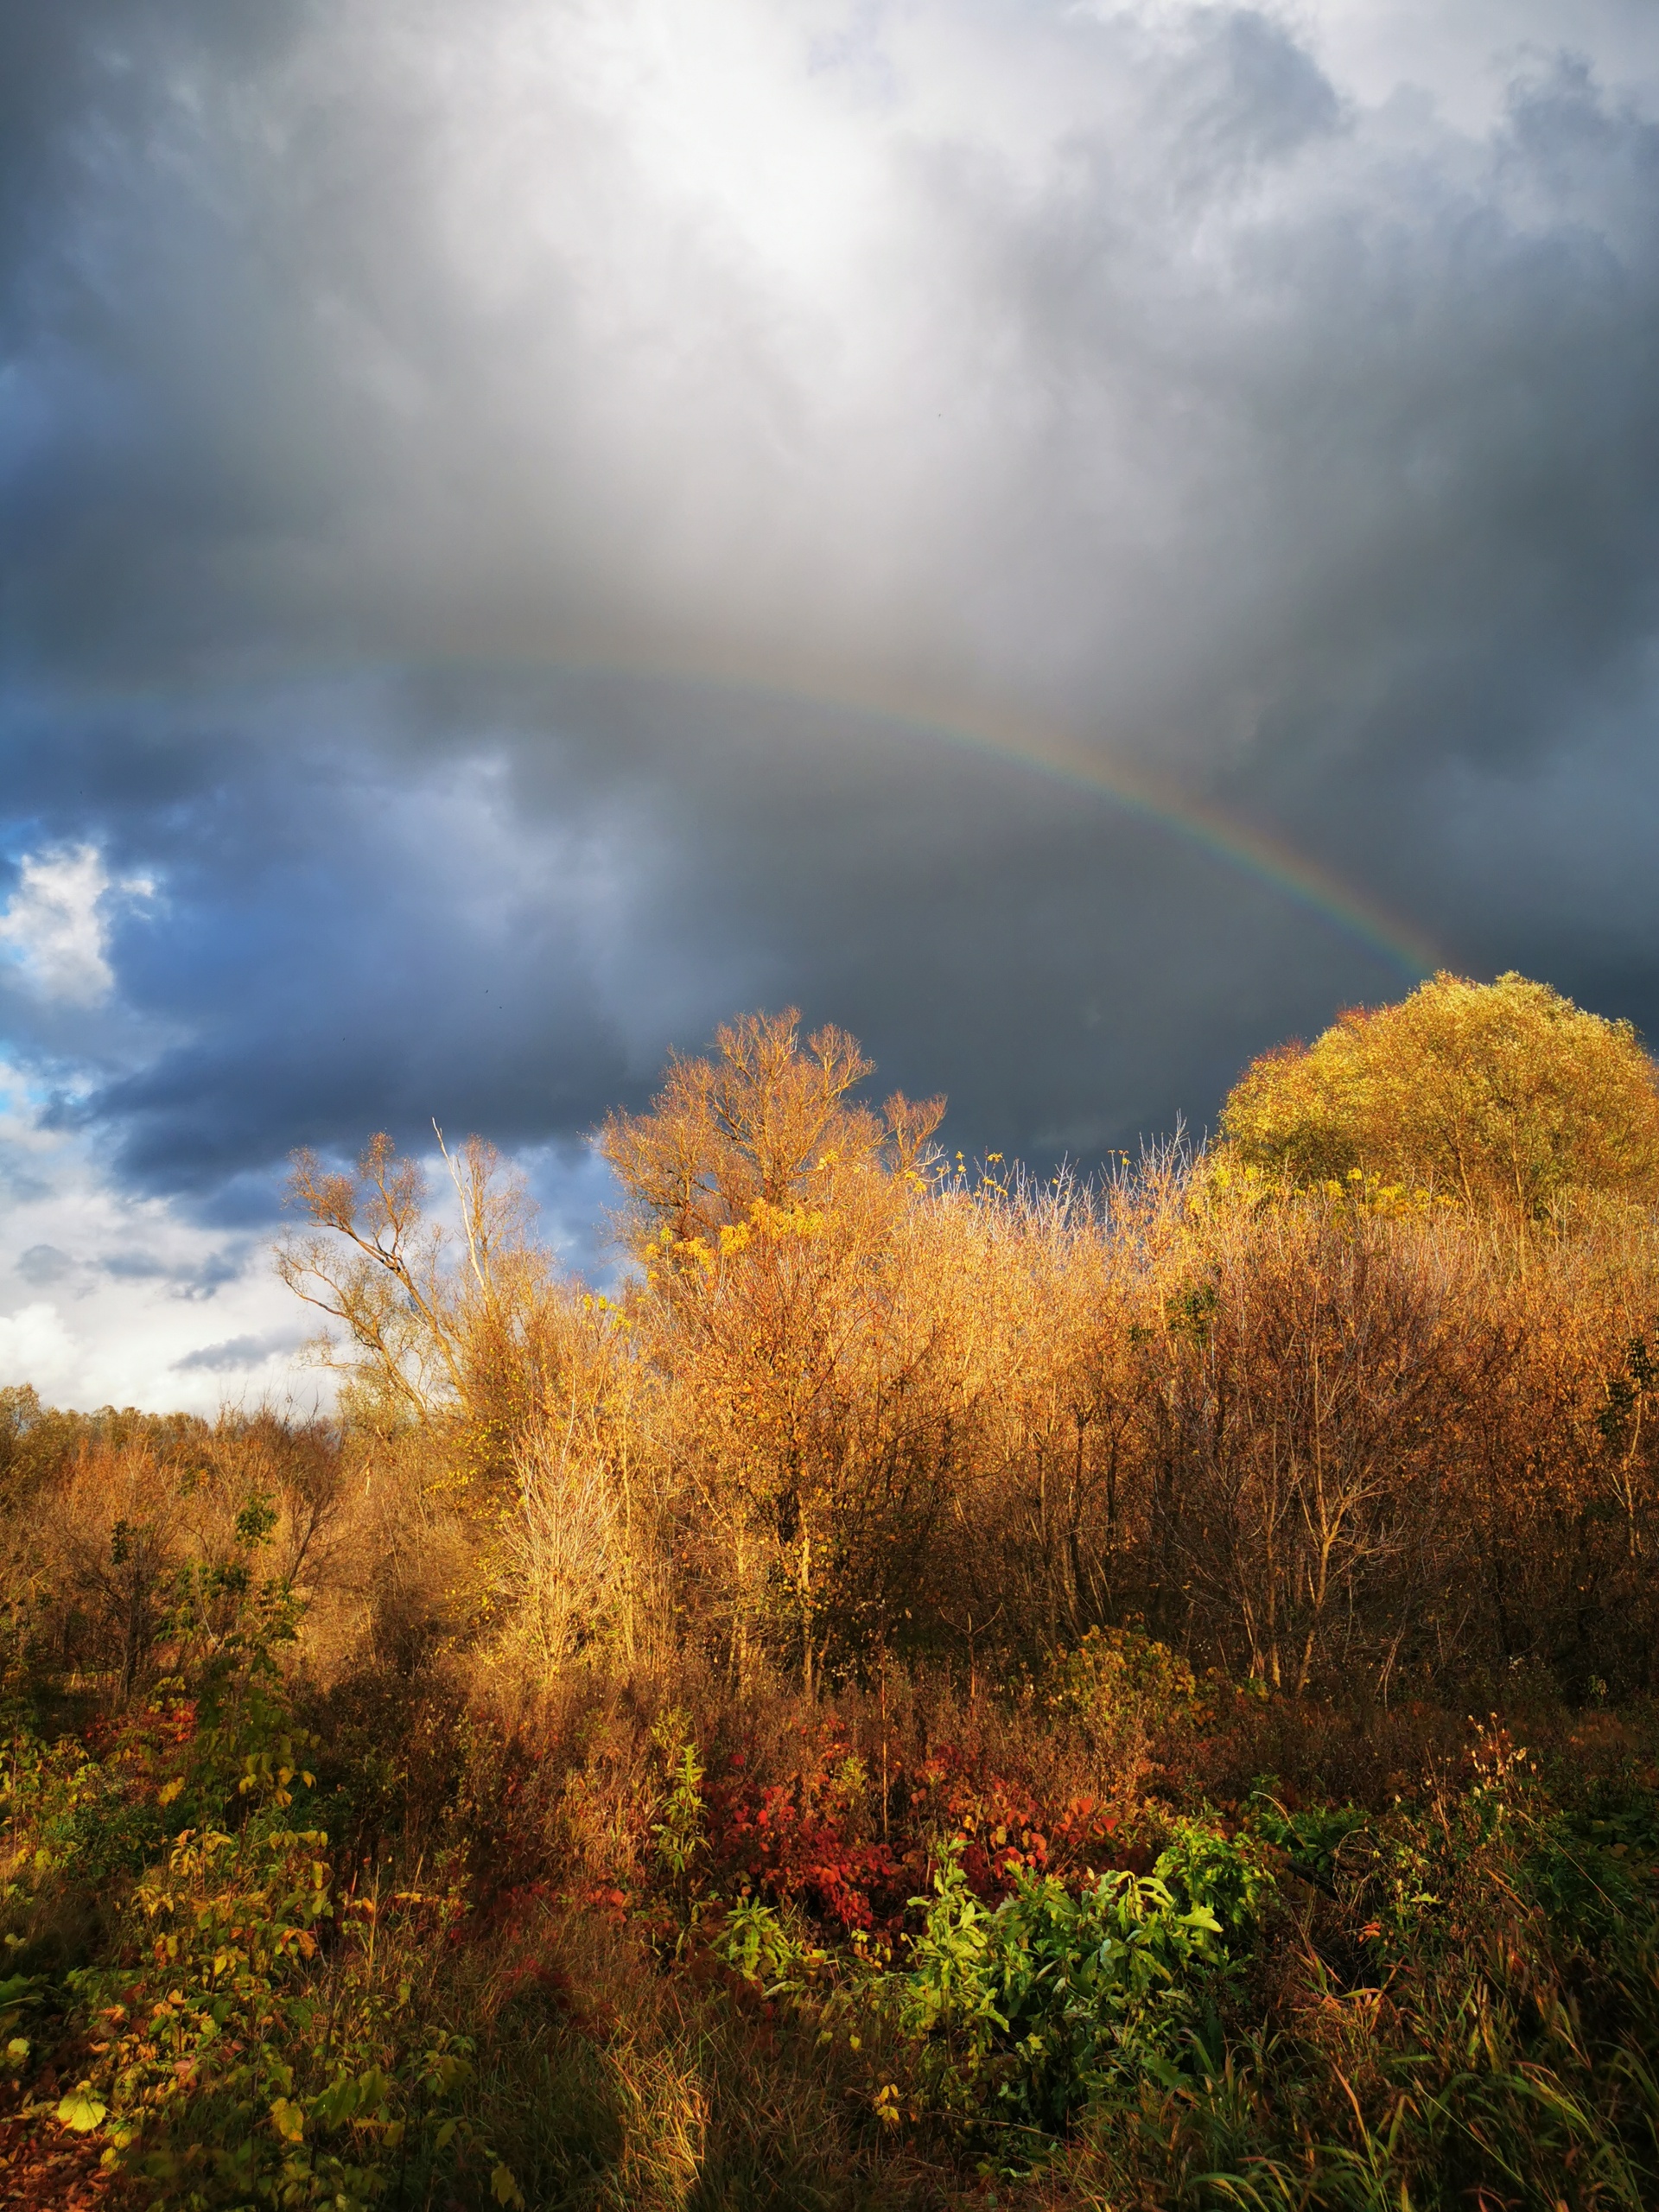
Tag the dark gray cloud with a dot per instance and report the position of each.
(200, 1280)
(43, 1265)
(237, 1354)
(495, 508)
(497, 934)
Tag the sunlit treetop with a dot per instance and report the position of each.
(1501, 1095)
(767, 1120)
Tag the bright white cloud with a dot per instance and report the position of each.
(1000, 356)
(1463, 56)
(36, 1347)
(106, 1299)
(947, 354)
(55, 927)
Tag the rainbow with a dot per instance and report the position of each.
(1259, 855)
(1251, 851)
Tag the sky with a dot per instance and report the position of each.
(1071, 540)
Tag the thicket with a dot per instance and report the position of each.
(942, 1687)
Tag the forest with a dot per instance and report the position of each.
(940, 1686)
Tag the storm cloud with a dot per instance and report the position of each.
(526, 530)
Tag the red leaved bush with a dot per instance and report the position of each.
(809, 1840)
(824, 1839)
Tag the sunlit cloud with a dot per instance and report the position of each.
(54, 930)
(105, 1296)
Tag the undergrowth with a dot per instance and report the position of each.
(666, 1946)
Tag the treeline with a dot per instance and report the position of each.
(860, 1402)
(1298, 1412)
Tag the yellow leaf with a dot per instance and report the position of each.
(288, 2119)
(81, 2110)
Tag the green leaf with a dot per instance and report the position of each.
(504, 2189)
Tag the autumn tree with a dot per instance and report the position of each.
(767, 1205)
(1503, 1095)
(437, 1319)
(1044, 1523)
(1295, 1401)
(517, 1390)
(1318, 1402)
(768, 1119)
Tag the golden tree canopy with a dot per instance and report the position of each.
(1501, 1094)
(768, 1119)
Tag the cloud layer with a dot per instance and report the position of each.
(523, 530)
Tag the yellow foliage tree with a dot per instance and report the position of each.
(766, 1124)
(1503, 1095)
(766, 1205)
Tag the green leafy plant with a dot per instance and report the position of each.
(679, 1833)
(1010, 2021)
(1026, 2015)
(273, 2042)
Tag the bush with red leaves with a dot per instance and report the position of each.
(813, 1840)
